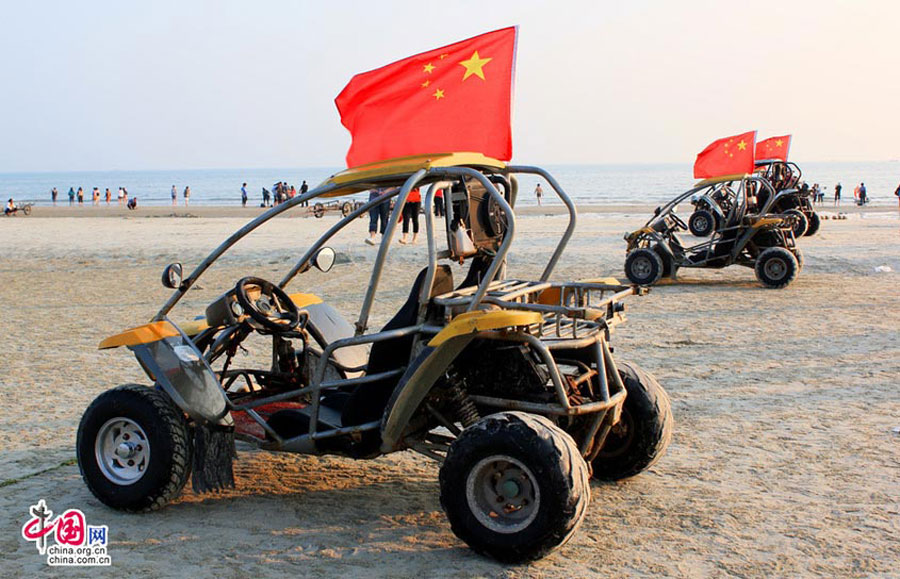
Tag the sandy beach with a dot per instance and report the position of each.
(784, 461)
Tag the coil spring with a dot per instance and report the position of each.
(463, 406)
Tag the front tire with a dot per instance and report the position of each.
(701, 223)
(641, 436)
(801, 224)
(133, 448)
(776, 267)
(814, 223)
(643, 266)
(514, 486)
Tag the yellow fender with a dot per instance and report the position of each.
(152, 332)
(482, 320)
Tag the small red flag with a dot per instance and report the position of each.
(774, 148)
(455, 98)
(726, 156)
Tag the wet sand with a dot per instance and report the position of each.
(783, 460)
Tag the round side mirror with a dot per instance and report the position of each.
(324, 259)
(171, 277)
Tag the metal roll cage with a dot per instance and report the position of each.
(595, 329)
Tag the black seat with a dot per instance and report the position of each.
(367, 401)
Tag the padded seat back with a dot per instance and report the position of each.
(367, 401)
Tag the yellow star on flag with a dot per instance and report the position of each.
(779, 142)
(426, 83)
(475, 65)
(428, 68)
(438, 94)
(742, 145)
(443, 56)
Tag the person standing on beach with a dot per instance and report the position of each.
(71, 196)
(244, 195)
(80, 196)
(411, 213)
(108, 196)
(120, 195)
(304, 188)
(95, 196)
(379, 212)
(539, 193)
(863, 198)
(266, 195)
(837, 194)
(125, 196)
(187, 196)
(53, 194)
(174, 194)
(439, 203)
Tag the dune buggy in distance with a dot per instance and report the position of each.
(510, 384)
(745, 234)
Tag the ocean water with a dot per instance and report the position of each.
(586, 184)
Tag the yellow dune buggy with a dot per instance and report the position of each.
(509, 384)
(743, 231)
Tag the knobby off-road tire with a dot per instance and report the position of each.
(798, 255)
(514, 486)
(642, 434)
(318, 210)
(814, 222)
(701, 223)
(148, 430)
(643, 266)
(776, 267)
(801, 224)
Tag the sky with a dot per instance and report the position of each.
(189, 84)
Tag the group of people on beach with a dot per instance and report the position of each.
(96, 196)
(280, 193)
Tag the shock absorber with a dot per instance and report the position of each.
(462, 406)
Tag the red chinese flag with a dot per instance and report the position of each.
(455, 98)
(727, 156)
(774, 148)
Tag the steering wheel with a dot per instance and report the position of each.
(678, 220)
(267, 304)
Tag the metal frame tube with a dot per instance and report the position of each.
(573, 214)
(234, 238)
(362, 322)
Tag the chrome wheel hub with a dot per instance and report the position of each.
(122, 450)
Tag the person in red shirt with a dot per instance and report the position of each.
(439, 203)
(411, 213)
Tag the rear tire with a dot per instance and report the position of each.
(133, 448)
(26, 210)
(346, 208)
(514, 486)
(641, 436)
(701, 223)
(318, 210)
(776, 267)
(643, 266)
(798, 255)
(801, 224)
(814, 223)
